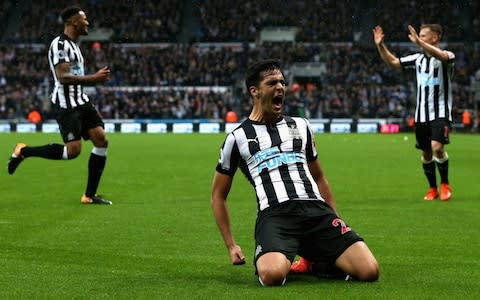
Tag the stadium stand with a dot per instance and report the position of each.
(156, 76)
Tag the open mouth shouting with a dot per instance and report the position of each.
(277, 102)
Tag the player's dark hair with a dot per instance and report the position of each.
(256, 70)
(437, 28)
(69, 12)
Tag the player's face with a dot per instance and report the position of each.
(428, 36)
(271, 93)
(81, 23)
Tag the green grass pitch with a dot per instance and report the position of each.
(159, 239)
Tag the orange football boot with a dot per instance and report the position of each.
(445, 192)
(431, 194)
(301, 266)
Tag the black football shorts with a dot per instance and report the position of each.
(308, 228)
(75, 123)
(436, 130)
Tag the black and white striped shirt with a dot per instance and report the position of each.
(434, 86)
(274, 158)
(62, 49)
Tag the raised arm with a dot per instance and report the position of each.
(220, 188)
(388, 57)
(430, 49)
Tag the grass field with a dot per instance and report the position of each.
(159, 239)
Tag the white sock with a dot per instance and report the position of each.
(441, 160)
(426, 161)
(99, 151)
(65, 153)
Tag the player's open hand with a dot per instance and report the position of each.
(413, 36)
(236, 255)
(378, 35)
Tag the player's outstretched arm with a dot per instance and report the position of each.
(389, 58)
(220, 188)
(430, 49)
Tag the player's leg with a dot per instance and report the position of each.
(272, 268)
(97, 160)
(22, 151)
(276, 237)
(358, 261)
(428, 164)
(93, 130)
(423, 134)
(70, 129)
(440, 137)
(334, 248)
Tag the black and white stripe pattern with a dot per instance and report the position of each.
(62, 50)
(273, 158)
(434, 87)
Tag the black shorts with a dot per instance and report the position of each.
(436, 130)
(75, 123)
(308, 228)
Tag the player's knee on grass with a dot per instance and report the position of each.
(271, 277)
(359, 262)
(370, 272)
(272, 269)
(276, 283)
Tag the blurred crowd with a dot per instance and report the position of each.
(356, 83)
(331, 20)
(130, 21)
(143, 21)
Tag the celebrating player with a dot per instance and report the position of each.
(277, 154)
(433, 115)
(75, 114)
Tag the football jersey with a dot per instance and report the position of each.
(63, 49)
(434, 86)
(274, 158)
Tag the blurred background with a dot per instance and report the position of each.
(185, 60)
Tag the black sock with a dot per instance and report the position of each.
(50, 151)
(429, 170)
(443, 170)
(96, 164)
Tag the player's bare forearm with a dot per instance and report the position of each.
(434, 51)
(388, 57)
(65, 77)
(220, 188)
(220, 211)
(429, 49)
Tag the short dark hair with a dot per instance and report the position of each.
(69, 12)
(255, 71)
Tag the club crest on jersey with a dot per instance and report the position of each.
(293, 130)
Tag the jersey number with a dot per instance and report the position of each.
(339, 222)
